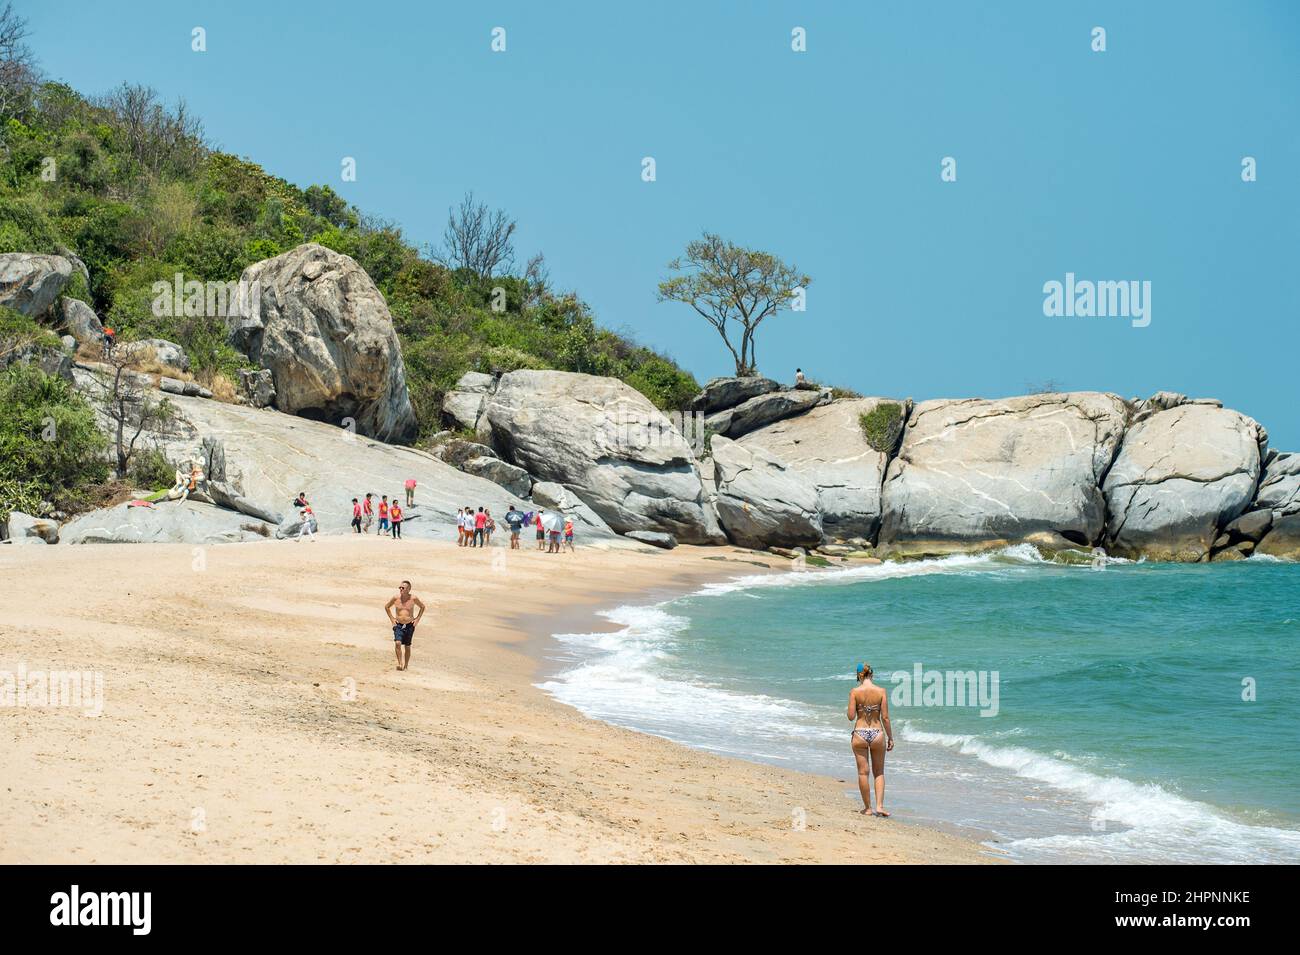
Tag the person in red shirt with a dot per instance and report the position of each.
(395, 512)
(383, 515)
(541, 531)
(356, 515)
(368, 509)
(480, 525)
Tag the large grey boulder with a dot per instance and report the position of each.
(719, 394)
(828, 448)
(1181, 475)
(605, 442)
(515, 480)
(164, 352)
(1283, 540)
(167, 522)
(1279, 486)
(315, 319)
(763, 410)
(556, 497)
(977, 474)
(761, 502)
(81, 322)
(464, 404)
(654, 538)
(37, 528)
(31, 283)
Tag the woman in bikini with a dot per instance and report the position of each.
(872, 737)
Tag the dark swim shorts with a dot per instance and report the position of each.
(403, 632)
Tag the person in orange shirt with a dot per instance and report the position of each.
(395, 514)
(383, 515)
(568, 533)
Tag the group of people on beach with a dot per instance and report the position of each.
(391, 513)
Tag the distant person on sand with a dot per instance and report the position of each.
(460, 527)
(467, 525)
(568, 533)
(553, 529)
(404, 612)
(368, 509)
(480, 528)
(489, 525)
(872, 737)
(515, 521)
(410, 492)
(395, 513)
(541, 531)
(383, 516)
(356, 515)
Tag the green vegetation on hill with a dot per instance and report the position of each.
(128, 185)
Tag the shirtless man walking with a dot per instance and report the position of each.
(400, 610)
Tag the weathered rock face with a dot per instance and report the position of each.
(721, 393)
(81, 322)
(258, 387)
(1283, 540)
(976, 473)
(319, 324)
(762, 503)
(827, 448)
(167, 353)
(606, 443)
(464, 404)
(31, 283)
(1279, 487)
(169, 522)
(1181, 475)
(764, 409)
(515, 480)
(267, 457)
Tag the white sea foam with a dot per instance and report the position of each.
(1148, 822)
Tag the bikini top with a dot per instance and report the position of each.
(866, 709)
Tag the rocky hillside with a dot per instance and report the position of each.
(325, 408)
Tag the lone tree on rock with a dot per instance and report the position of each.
(730, 285)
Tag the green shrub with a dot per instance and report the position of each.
(882, 426)
(50, 447)
(151, 469)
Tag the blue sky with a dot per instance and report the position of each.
(1122, 165)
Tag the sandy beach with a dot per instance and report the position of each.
(252, 713)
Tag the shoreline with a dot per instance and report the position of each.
(460, 758)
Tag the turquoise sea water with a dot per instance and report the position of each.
(1122, 729)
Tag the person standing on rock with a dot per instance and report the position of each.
(356, 515)
(410, 492)
(395, 512)
(368, 509)
(307, 527)
(383, 516)
(404, 612)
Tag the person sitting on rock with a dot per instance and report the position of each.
(801, 382)
(182, 478)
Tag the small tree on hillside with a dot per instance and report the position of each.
(18, 71)
(477, 238)
(732, 286)
(131, 407)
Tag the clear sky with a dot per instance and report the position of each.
(1119, 165)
